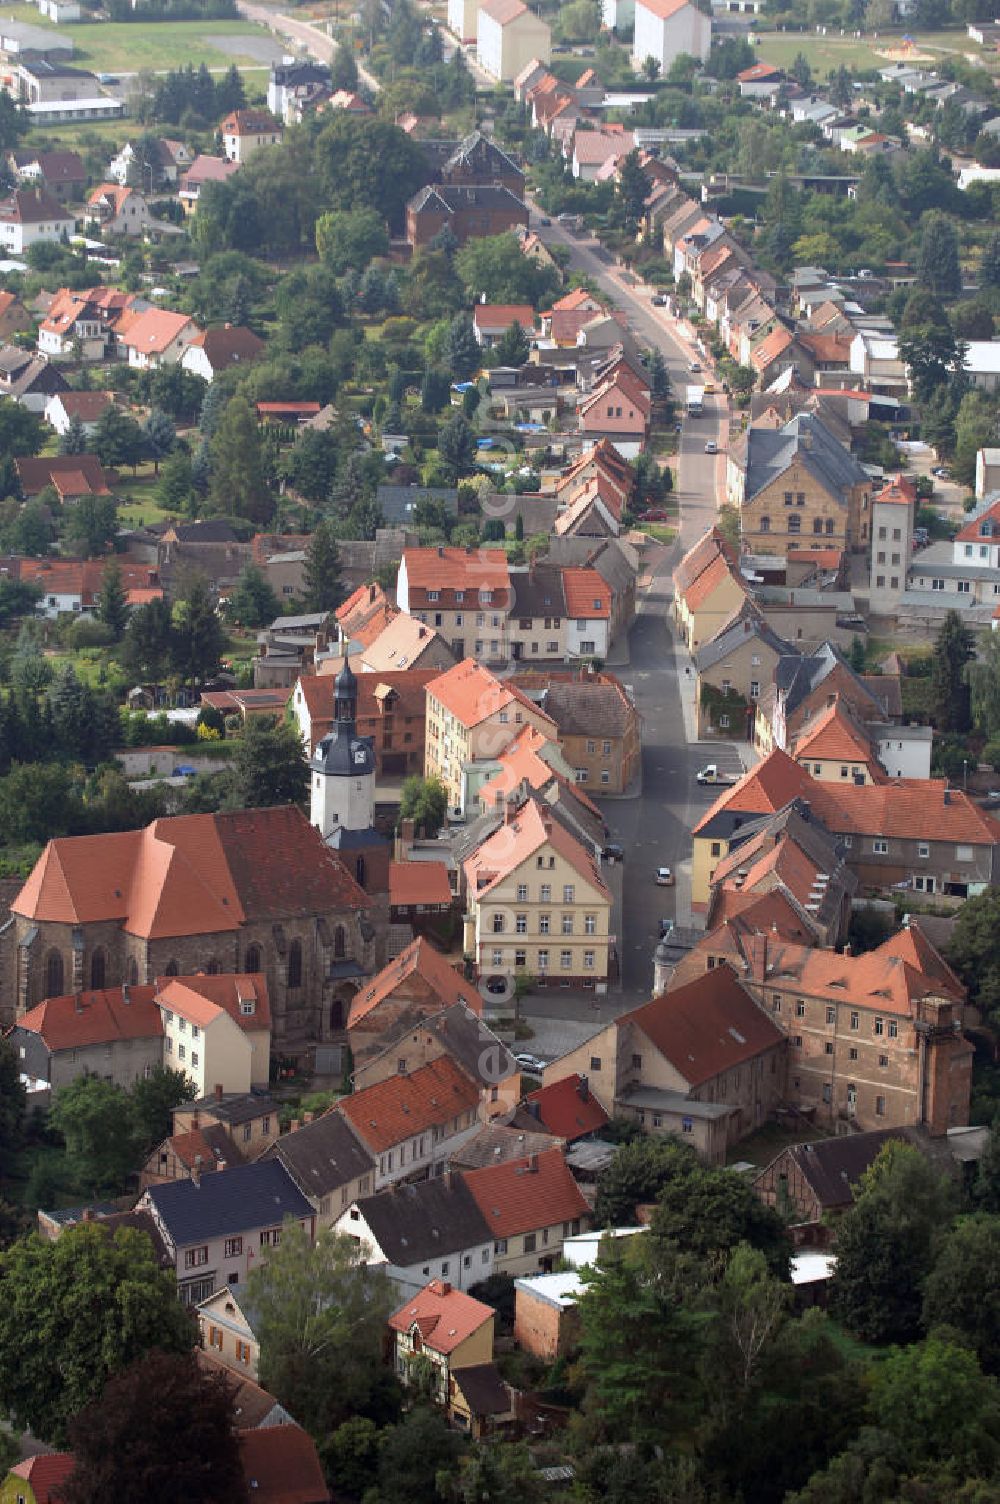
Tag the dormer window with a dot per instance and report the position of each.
(433, 595)
(247, 1007)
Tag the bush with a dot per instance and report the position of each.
(991, 754)
(89, 634)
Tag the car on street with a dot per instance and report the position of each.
(530, 1063)
(545, 220)
(942, 472)
(711, 774)
(659, 300)
(613, 852)
(664, 877)
(711, 447)
(695, 365)
(655, 514)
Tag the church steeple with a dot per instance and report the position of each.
(345, 697)
(342, 768)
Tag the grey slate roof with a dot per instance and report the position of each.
(496, 1142)
(322, 1156)
(537, 592)
(831, 1166)
(605, 554)
(236, 1106)
(720, 647)
(397, 503)
(413, 1223)
(587, 709)
(228, 1201)
(807, 439)
(797, 676)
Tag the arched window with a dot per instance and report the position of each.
(213, 968)
(53, 974)
(98, 969)
(337, 1014)
(295, 964)
(252, 962)
(133, 972)
(359, 871)
(339, 943)
(171, 970)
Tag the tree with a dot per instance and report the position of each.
(989, 266)
(118, 440)
(324, 588)
(154, 1098)
(106, 1298)
(92, 524)
(974, 950)
(707, 1212)
(269, 766)
(425, 802)
(633, 188)
(74, 440)
(343, 70)
(253, 602)
(650, 68)
(938, 265)
(310, 467)
(173, 490)
(183, 1446)
(463, 354)
(415, 1457)
(885, 1245)
(963, 1288)
(146, 646)
(457, 446)
(20, 430)
(13, 1101)
(94, 1117)
(435, 390)
(196, 639)
(511, 349)
(934, 1400)
(160, 436)
(801, 71)
(320, 1314)
(241, 483)
(112, 607)
(933, 356)
(351, 238)
(950, 701)
(494, 268)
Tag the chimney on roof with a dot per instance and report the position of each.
(440, 552)
(532, 1164)
(583, 1089)
(445, 1287)
(218, 1091)
(125, 994)
(196, 1170)
(294, 1125)
(307, 1117)
(421, 633)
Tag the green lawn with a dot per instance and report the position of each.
(833, 51)
(658, 531)
(107, 46)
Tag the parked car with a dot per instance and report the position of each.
(711, 447)
(695, 365)
(659, 300)
(664, 877)
(545, 220)
(613, 852)
(655, 514)
(710, 774)
(530, 1063)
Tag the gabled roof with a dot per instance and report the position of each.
(909, 809)
(832, 1167)
(522, 1195)
(94, 1018)
(983, 526)
(834, 734)
(807, 440)
(46, 1474)
(883, 980)
(530, 828)
(155, 330)
(323, 1156)
(587, 595)
(87, 406)
(430, 1219)
(471, 693)
(706, 1027)
(394, 1110)
(766, 788)
(201, 999)
(503, 315)
(664, 9)
(568, 1109)
(281, 1466)
(238, 1200)
(70, 474)
(418, 883)
(444, 1316)
(228, 345)
(748, 627)
(400, 644)
(250, 123)
(419, 958)
(472, 570)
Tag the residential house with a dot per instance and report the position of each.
(708, 591)
(508, 36)
(180, 1155)
(118, 210)
(220, 348)
(399, 504)
(410, 642)
(537, 622)
(219, 1227)
(415, 985)
(291, 75)
(563, 321)
(536, 903)
(452, 1332)
(202, 170)
(806, 683)
(160, 164)
(799, 482)
(588, 614)
(254, 1408)
(987, 472)
(765, 789)
(469, 211)
(14, 317)
(666, 29)
(71, 476)
(281, 1466)
(704, 1062)
(225, 1330)
(471, 717)
(38, 1479)
(834, 747)
(615, 561)
(328, 1163)
(74, 586)
(31, 216)
(457, 1032)
(597, 724)
(248, 1119)
(618, 410)
(812, 1184)
(591, 150)
(530, 1205)
(87, 408)
(61, 173)
(416, 1232)
(409, 1123)
(217, 1029)
(491, 321)
(894, 509)
(531, 763)
(81, 325)
(115, 1033)
(478, 159)
(245, 131)
(254, 891)
(28, 379)
(392, 710)
(158, 338)
(567, 1109)
(734, 668)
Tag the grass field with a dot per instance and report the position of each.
(126, 47)
(833, 51)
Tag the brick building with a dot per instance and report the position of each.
(249, 891)
(469, 210)
(391, 710)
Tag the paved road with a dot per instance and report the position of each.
(655, 829)
(312, 38)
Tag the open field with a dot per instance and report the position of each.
(122, 46)
(833, 51)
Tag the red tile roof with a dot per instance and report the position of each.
(421, 959)
(91, 1018)
(834, 735)
(418, 883)
(908, 809)
(87, 406)
(973, 531)
(766, 788)
(281, 1466)
(706, 1027)
(155, 330)
(70, 474)
(530, 828)
(228, 345)
(399, 693)
(190, 875)
(46, 1474)
(523, 1195)
(446, 570)
(503, 315)
(201, 998)
(390, 1111)
(444, 1316)
(588, 596)
(472, 694)
(719, 573)
(565, 1111)
(250, 123)
(897, 488)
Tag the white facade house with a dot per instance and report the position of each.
(905, 751)
(29, 216)
(615, 13)
(987, 472)
(407, 1247)
(508, 37)
(665, 29)
(587, 637)
(463, 19)
(158, 338)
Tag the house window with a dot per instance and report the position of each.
(595, 1062)
(828, 1047)
(893, 1029)
(923, 849)
(590, 924)
(233, 1247)
(878, 1027)
(194, 1258)
(831, 1015)
(880, 1107)
(545, 896)
(800, 1009)
(243, 1353)
(568, 893)
(521, 924)
(883, 1061)
(567, 924)
(591, 748)
(498, 924)
(880, 846)
(852, 1053)
(500, 1246)
(497, 959)
(530, 1242)
(520, 959)
(565, 960)
(588, 960)
(543, 923)
(295, 961)
(855, 1021)
(543, 960)
(522, 892)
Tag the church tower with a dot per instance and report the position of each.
(342, 769)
